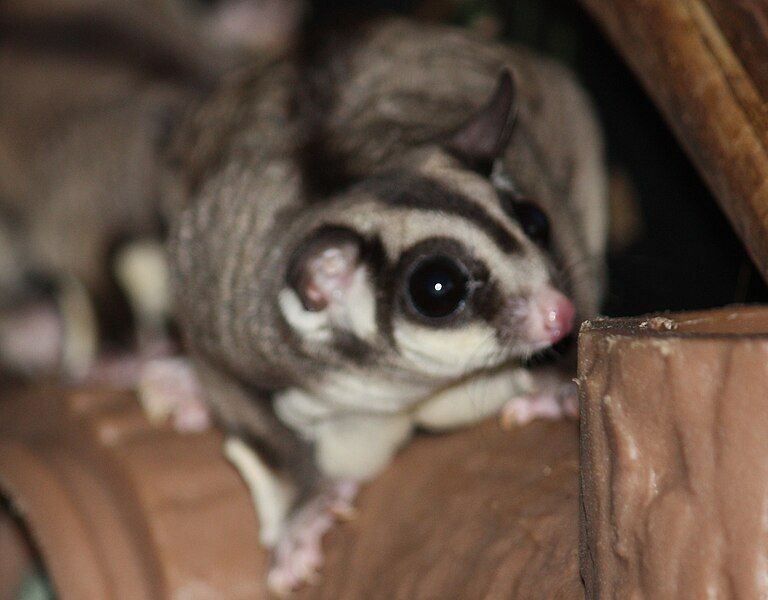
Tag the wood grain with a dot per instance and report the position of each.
(674, 472)
(705, 64)
(745, 25)
(122, 509)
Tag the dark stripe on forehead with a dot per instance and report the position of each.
(421, 193)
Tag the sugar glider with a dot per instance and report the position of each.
(89, 91)
(373, 238)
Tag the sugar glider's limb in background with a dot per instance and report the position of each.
(54, 333)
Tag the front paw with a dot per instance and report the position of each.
(169, 388)
(548, 402)
(298, 554)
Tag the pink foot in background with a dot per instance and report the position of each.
(169, 389)
(560, 402)
(298, 554)
(124, 370)
(32, 339)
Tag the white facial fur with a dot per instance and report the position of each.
(444, 352)
(353, 309)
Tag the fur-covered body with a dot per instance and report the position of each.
(247, 203)
(349, 143)
(80, 135)
(90, 92)
(78, 158)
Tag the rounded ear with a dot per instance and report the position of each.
(322, 268)
(485, 135)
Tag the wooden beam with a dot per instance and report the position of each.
(674, 472)
(705, 64)
(120, 508)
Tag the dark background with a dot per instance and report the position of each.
(687, 255)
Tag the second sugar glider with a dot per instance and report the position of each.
(89, 92)
(372, 240)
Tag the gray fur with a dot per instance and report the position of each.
(90, 92)
(244, 202)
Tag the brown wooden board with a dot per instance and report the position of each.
(674, 469)
(711, 92)
(122, 509)
(745, 25)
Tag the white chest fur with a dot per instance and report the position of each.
(355, 443)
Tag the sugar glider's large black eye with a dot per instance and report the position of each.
(438, 287)
(532, 219)
(534, 222)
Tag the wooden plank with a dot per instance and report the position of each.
(673, 467)
(145, 512)
(710, 98)
(745, 25)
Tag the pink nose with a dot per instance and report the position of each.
(551, 316)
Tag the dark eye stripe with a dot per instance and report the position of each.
(430, 248)
(532, 219)
(507, 201)
(420, 193)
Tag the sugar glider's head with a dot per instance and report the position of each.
(431, 265)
